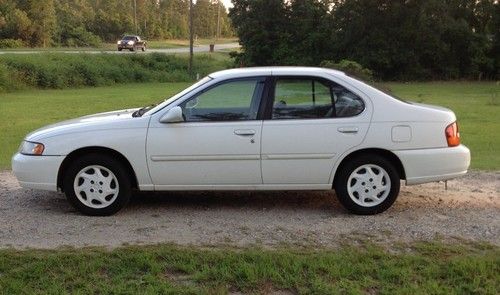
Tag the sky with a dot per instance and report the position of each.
(227, 3)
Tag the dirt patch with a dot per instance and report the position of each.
(469, 209)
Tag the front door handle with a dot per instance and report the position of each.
(348, 130)
(244, 132)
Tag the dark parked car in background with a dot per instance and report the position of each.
(131, 43)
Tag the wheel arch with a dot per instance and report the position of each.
(377, 151)
(100, 150)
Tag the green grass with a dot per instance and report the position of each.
(477, 106)
(421, 268)
(23, 111)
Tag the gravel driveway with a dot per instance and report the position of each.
(469, 209)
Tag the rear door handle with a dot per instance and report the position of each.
(348, 130)
(244, 132)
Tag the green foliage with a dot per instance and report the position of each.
(350, 67)
(398, 40)
(11, 43)
(44, 23)
(78, 37)
(420, 268)
(79, 69)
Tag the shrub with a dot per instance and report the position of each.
(60, 70)
(79, 37)
(350, 67)
(11, 43)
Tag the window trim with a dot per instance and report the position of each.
(268, 100)
(259, 98)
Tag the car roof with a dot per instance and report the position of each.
(267, 71)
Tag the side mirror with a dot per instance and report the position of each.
(174, 115)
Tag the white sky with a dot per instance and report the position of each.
(227, 3)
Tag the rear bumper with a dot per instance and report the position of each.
(37, 172)
(428, 165)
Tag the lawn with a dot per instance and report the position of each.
(477, 106)
(419, 268)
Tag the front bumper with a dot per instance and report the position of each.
(37, 172)
(429, 165)
(126, 46)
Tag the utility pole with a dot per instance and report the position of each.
(217, 34)
(191, 34)
(135, 16)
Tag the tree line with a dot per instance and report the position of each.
(397, 39)
(89, 22)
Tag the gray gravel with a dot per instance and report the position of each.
(469, 209)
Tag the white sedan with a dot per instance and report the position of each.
(276, 128)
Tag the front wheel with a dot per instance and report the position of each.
(143, 48)
(368, 184)
(97, 185)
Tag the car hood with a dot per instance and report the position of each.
(100, 121)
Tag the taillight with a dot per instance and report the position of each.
(452, 134)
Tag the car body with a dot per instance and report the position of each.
(132, 43)
(274, 128)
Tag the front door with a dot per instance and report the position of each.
(218, 144)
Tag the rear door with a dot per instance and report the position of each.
(310, 122)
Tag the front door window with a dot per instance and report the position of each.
(235, 100)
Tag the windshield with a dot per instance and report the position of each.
(178, 95)
(128, 38)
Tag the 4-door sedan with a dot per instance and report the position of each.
(277, 128)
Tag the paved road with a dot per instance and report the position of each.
(198, 48)
(469, 209)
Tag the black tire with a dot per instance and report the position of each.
(115, 166)
(132, 49)
(119, 49)
(143, 48)
(342, 178)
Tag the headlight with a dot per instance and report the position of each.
(130, 42)
(31, 148)
(118, 42)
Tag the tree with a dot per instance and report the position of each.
(261, 26)
(44, 25)
(397, 39)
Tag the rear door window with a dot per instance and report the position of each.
(311, 98)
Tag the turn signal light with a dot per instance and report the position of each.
(452, 134)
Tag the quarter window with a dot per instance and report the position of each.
(313, 99)
(230, 101)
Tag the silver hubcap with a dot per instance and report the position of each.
(369, 185)
(96, 186)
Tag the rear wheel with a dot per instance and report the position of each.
(119, 49)
(144, 48)
(368, 184)
(97, 185)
